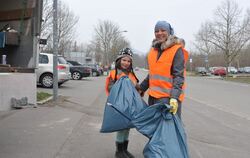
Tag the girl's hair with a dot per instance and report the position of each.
(130, 69)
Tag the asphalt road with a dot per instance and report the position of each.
(216, 115)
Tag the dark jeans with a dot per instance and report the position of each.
(152, 100)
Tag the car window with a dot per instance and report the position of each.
(69, 64)
(61, 60)
(93, 66)
(43, 59)
(75, 63)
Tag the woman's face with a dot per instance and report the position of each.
(125, 62)
(161, 35)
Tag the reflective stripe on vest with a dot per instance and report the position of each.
(163, 90)
(159, 77)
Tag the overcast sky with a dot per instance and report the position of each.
(138, 17)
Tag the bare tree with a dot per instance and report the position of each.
(108, 40)
(140, 60)
(117, 44)
(46, 27)
(228, 33)
(202, 43)
(66, 26)
(202, 40)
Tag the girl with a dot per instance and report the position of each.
(123, 66)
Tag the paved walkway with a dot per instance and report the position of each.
(35, 132)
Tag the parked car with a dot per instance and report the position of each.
(211, 69)
(246, 69)
(232, 70)
(201, 70)
(44, 72)
(220, 71)
(96, 69)
(241, 70)
(78, 71)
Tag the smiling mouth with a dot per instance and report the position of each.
(160, 38)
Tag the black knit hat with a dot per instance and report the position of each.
(125, 52)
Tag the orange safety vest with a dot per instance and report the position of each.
(112, 76)
(160, 78)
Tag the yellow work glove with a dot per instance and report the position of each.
(174, 103)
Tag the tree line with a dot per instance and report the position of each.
(222, 41)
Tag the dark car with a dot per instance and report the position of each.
(78, 71)
(201, 71)
(96, 69)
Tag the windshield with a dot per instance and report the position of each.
(61, 60)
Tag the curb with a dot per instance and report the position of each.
(44, 101)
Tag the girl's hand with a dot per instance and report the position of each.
(141, 93)
(138, 88)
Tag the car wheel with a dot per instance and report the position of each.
(94, 74)
(47, 80)
(76, 75)
(59, 84)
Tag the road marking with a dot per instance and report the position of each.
(222, 108)
(95, 125)
(54, 122)
(237, 84)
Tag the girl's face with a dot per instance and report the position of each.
(161, 35)
(125, 63)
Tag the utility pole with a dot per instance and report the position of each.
(55, 51)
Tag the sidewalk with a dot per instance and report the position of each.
(35, 132)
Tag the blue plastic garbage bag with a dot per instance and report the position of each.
(166, 135)
(126, 109)
(122, 105)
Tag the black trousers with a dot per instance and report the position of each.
(152, 100)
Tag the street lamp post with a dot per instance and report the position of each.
(55, 52)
